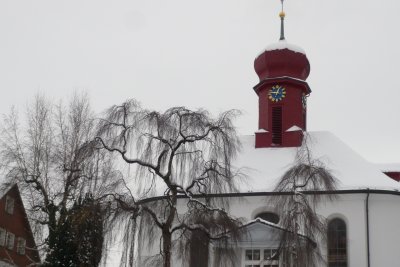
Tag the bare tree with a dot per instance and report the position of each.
(302, 186)
(181, 155)
(49, 157)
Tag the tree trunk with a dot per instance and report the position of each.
(167, 243)
(166, 231)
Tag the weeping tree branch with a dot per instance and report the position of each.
(299, 217)
(176, 153)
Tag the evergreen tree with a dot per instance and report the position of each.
(78, 242)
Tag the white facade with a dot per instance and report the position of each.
(363, 189)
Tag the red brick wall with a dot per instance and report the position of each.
(17, 224)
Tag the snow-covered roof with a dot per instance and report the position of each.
(264, 166)
(3, 187)
(283, 44)
(388, 167)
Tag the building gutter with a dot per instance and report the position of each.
(367, 222)
(249, 194)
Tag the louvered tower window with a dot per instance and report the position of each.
(277, 125)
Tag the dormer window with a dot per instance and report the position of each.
(9, 205)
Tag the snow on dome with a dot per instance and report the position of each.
(283, 44)
(264, 166)
(282, 59)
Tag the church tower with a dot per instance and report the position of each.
(282, 91)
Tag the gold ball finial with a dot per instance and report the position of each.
(282, 14)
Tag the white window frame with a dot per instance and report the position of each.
(21, 244)
(10, 205)
(10, 240)
(261, 262)
(3, 234)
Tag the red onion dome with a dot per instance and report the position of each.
(282, 59)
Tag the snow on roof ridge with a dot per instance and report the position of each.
(283, 44)
(388, 167)
(4, 188)
(261, 131)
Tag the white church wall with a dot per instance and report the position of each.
(384, 216)
(384, 213)
(350, 208)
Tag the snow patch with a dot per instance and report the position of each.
(261, 131)
(294, 128)
(388, 167)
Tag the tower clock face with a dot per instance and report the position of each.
(277, 93)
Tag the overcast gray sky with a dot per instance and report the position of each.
(200, 54)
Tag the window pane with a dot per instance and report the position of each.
(274, 254)
(267, 254)
(249, 254)
(21, 243)
(337, 243)
(10, 240)
(2, 237)
(9, 205)
(256, 255)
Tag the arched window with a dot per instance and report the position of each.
(337, 243)
(199, 249)
(269, 217)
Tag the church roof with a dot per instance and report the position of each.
(264, 166)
